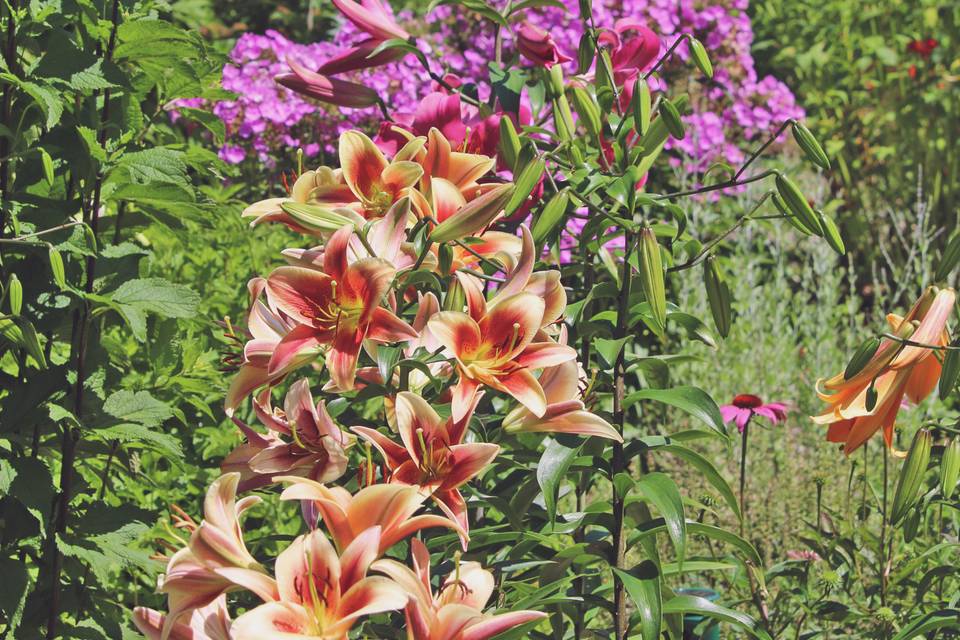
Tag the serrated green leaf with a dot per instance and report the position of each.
(139, 407)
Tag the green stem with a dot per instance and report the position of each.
(743, 475)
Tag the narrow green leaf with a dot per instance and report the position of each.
(696, 604)
(662, 491)
(692, 400)
(643, 585)
(551, 469)
(529, 178)
(709, 472)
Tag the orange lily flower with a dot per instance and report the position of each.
(387, 506)
(216, 559)
(456, 611)
(337, 308)
(565, 411)
(894, 371)
(433, 456)
(322, 595)
(317, 450)
(499, 344)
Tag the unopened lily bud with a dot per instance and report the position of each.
(950, 468)
(455, 299)
(911, 475)
(588, 111)
(861, 357)
(950, 370)
(797, 204)
(671, 118)
(509, 142)
(315, 217)
(718, 295)
(651, 277)
(700, 57)
(474, 216)
(811, 148)
(326, 89)
(15, 294)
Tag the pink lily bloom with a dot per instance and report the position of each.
(391, 507)
(433, 455)
(377, 184)
(336, 309)
(499, 344)
(322, 595)
(317, 449)
(565, 411)
(745, 406)
(216, 559)
(326, 89)
(374, 18)
(537, 46)
(455, 612)
(211, 622)
(267, 326)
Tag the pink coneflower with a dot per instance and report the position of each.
(745, 406)
(805, 555)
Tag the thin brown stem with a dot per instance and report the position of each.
(619, 463)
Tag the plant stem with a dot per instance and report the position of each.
(81, 329)
(619, 462)
(10, 58)
(762, 148)
(743, 475)
(883, 531)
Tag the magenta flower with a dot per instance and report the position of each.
(746, 405)
(804, 555)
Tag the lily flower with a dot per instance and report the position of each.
(317, 449)
(211, 622)
(895, 371)
(744, 406)
(537, 46)
(433, 455)
(216, 559)
(322, 595)
(565, 411)
(455, 612)
(337, 309)
(499, 344)
(375, 182)
(326, 89)
(267, 326)
(391, 507)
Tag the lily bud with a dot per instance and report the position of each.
(797, 204)
(831, 233)
(950, 468)
(651, 277)
(509, 142)
(473, 216)
(537, 46)
(315, 217)
(588, 111)
(641, 105)
(811, 148)
(861, 357)
(950, 370)
(15, 294)
(718, 295)
(700, 57)
(671, 118)
(456, 298)
(911, 475)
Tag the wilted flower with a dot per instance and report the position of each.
(870, 399)
(455, 612)
(326, 89)
(537, 46)
(745, 406)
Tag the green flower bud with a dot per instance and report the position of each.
(15, 294)
(700, 57)
(797, 204)
(950, 370)
(651, 277)
(861, 357)
(641, 105)
(811, 148)
(718, 295)
(911, 475)
(950, 468)
(671, 118)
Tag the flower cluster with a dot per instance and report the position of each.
(340, 301)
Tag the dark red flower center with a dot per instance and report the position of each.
(747, 401)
